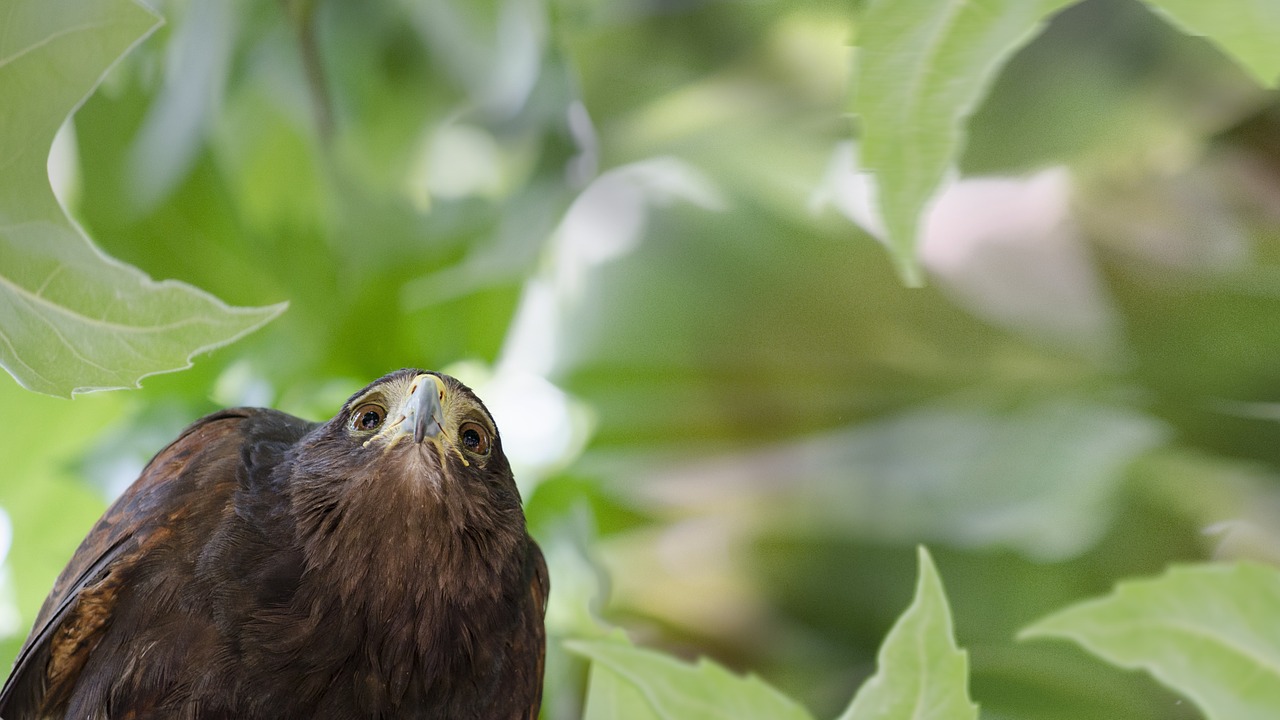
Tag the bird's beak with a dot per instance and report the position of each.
(422, 407)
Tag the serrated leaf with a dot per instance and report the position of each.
(922, 67)
(1244, 29)
(1209, 632)
(71, 318)
(675, 690)
(921, 674)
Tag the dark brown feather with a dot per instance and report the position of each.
(266, 567)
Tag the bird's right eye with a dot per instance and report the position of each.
(368, 417)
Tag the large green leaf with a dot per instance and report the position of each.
(921, 673)
(1209, 632)
(72, 319)
(1244, 29)
(922, 66)
(674, 690)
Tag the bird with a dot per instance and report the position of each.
(376, 565)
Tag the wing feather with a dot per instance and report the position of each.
(79, 608)
(539, 590)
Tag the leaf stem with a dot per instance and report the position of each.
(302, 13)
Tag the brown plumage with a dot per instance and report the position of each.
(374, 566)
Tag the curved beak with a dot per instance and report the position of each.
(422, 407)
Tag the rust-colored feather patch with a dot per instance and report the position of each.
(76, 637)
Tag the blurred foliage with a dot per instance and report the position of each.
(923, 66)
(628, 226)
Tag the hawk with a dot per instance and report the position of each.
(264, 567)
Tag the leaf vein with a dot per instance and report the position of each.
(51, 38)
(100, 322)
(13, 353)
(1268, 664)
(63, 339)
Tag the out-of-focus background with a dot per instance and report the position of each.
(637, 230)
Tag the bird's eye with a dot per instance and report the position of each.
(474, 437)
(368, 417)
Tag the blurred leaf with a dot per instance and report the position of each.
(922, 67)
(611, 696)
(1106, 84)
(566, 542)
(674, 690)
(668, 352)
(1244, 29)
(167, 144)
(72, 319)
(1209, 632)
(1037, 475)
(578, 580)
(921, 673)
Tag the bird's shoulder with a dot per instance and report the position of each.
(193, 480)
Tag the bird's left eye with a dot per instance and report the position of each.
(474, 438)
(368, 417)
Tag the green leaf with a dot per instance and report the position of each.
(611, 696)
(921, 674)
(922, 67)
(1209, 632)
(72, 319)
(1244, 29)
(674, 690)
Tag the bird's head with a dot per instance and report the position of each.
(411, 439)
(405, 495)
(423, 421)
